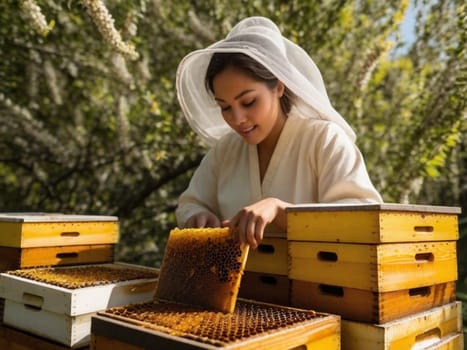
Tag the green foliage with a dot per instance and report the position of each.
(87, 128)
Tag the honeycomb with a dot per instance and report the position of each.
(216, 328)
(202, 267)
(83, 276)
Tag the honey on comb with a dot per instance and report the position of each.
(84, 276)
(248, 319)
(202, 267)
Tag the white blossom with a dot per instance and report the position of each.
(33, 12)
(105, 24)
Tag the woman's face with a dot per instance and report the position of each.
(248, 106)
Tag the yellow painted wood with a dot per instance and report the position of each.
(267, 288)
(331, 342)
(366, 306)
(271, 257)
(18, 258)
(425, 328)
(360, 226)
(379, 268)
(44, 234)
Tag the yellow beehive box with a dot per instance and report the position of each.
(269, 288)
(367, 306)
(252, 325)
(372, 223)
(19, 258)
(45, 230)
(271, 257)
(58, 303)
(438, 328)
(375, 267)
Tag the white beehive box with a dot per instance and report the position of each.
(63, 314)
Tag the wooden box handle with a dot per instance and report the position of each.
(424, 257)
(327, 256)
(266, 248)
(427, 338)
(334, 291)
(70, 234)
(420, 292)
(271, 280)
(64, 256)
(423, 229)
(32, 301)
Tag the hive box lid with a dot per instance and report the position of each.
(109, 284)
(53, 217)
(26, 230)
(372, 223)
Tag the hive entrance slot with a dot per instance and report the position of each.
(32, 301)
(268, 280)
(427, 338)
(69, 234)
(327, 256)
(266, 248)
(423, 229)
(420, 292)
(331, 290)
(424, 257)
(66, 255)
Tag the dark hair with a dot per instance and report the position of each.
(223, 60)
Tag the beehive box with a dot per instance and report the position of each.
(45, 230)
(19, 258)
(264, 287)
(375, 267)
(367, 306)
(252, 325)
(14, 339)
(438, 328)
(372, 223)
(57, 303)
(271, 257)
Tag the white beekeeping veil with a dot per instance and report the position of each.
(259, 38)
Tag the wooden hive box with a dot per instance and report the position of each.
(367, 306)
(438, 328)
(374, 267)
(45, 230)
(252, 325)
(270, 257)
(57, 303)
(15, 339)
(12, 258)
(265, 287)
(372, 223)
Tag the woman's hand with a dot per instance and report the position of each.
(203, 219)
(249, 223)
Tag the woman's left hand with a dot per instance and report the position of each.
(249, 223)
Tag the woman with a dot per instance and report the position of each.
(275, 138)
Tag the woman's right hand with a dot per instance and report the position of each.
(203, 219)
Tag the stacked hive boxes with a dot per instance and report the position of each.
(462, 264)
(389, 270)
(58, 270)
(266, 272)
